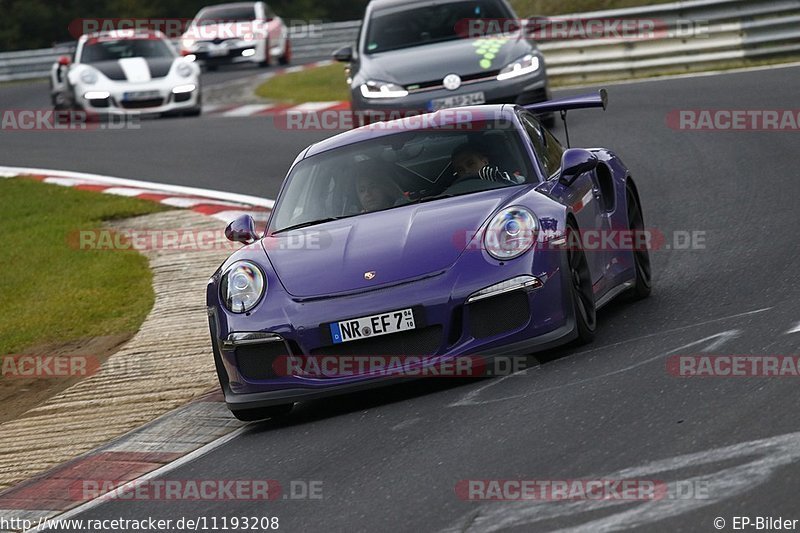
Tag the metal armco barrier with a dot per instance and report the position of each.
(699, 35)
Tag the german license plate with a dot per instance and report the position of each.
(217, 51)
(140, 95)
(457, 100)
(372, 326)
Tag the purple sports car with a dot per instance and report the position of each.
(464, 233)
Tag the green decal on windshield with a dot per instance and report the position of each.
(487, 48)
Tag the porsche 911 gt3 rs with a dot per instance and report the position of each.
(126, 72)
(430, 238)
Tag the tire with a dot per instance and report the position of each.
(286, 58)
(266, 61)
(252, 415)
(581, 293)
(641, 257)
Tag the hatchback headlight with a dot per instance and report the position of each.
(523, 65)
(242, 286)
(510, 234)
(381, 89)
(89, 77)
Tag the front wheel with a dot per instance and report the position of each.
(581, 287)
(641, 255)
(286, 58)
(266, 61)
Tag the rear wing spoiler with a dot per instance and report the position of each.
(562, 105)
(599, 99)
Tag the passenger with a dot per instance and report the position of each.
(375, 189)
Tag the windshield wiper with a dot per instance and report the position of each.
(431, 198)
(309, 223)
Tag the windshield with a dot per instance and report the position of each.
(219, 15)
(396, 170)
(111, 50)
(396, 28)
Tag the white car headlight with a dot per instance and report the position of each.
(187, 44)
(382, 89)
(89, 77)
(511, 233)
(523, 65)
(184, 70)
(242, 286)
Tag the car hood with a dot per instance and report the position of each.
(134, 69)
(397, 245)
(434, 61)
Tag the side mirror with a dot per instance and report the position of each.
(344, 54)
(575, 162)
(64, 61)
(242, 229)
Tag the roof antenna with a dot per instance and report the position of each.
(566, 128)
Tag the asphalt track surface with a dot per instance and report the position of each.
(389, 459)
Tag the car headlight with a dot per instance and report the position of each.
(523, 65)
(249, 37)
(242, 286)
(510, 234)
(381, 89)
(89, 77)
(184, 70)
(187, 43)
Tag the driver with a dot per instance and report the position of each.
(375, 189)
(471, 160)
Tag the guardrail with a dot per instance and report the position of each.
(725, 31)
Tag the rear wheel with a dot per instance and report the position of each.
(581, 287)
(251, 415)
(641, 255)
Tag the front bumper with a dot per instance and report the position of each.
(162, 101)
(440, 301)
(526, 89)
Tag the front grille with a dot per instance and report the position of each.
(142, 104)
(423, 341)
(436, 84)
(498, 314)
(255, 361)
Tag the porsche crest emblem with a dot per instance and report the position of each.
(369, 275)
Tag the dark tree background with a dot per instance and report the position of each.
(26, 24)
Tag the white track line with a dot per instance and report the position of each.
(247, 110)
(310, 107)
(123, 182)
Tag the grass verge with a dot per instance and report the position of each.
(320, 84)
(52, 291)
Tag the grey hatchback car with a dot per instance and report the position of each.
(415, 56)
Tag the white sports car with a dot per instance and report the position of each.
(235, 33)
(126, 72)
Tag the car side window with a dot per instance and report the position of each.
(547, 148)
